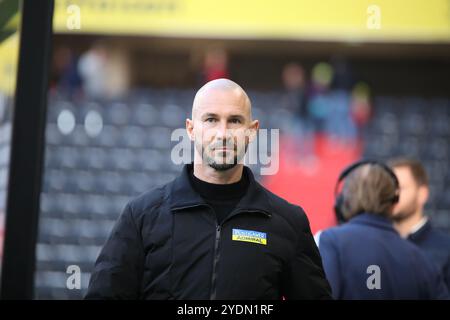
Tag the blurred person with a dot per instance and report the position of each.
(360, 108)
(214, 232)
(410, 219)
(329, 105)
(319, 106)
(295, 90)
(342, 75)
(365, 258)
(92, 67)
(118, 74)
(339, 125)
(299, 140)
(65, 75)
(215, 65)
(105, 71)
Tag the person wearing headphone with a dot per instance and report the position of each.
(365, 257)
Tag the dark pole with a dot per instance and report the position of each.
(27, 150)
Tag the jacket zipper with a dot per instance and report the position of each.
(216, 261)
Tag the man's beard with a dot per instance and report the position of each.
(405, 213)
(225, 164)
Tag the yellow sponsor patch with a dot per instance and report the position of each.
(249, 236)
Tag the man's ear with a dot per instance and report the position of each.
(190, 129)
(423, 195)
(253, 130)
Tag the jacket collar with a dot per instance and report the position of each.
(421, 232)
(373, 220)
(183, 195)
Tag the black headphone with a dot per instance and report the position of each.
(340, 199)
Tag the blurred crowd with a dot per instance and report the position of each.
(327, 102)
(100, 72)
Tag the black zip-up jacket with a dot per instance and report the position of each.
(168, 245)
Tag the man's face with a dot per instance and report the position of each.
(410, 200)
(221, 127)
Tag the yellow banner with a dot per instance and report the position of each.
(330, 20)
(9, 55)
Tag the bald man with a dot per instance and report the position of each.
(213, 232)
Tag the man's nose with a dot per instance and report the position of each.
(222, 131)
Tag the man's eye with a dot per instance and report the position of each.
(235, 121)
(210, 120)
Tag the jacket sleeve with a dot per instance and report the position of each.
(118, 270)
(330, 259)
(305, 277)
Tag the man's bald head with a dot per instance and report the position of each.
(221, 90)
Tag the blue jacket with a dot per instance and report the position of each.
(436, 246)
(367, 259)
